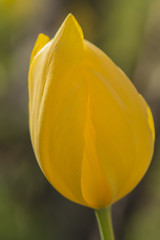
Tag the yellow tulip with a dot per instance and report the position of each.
(91, 131)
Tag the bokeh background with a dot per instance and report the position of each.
(129, 32)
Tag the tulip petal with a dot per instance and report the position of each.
(123, 136)
(149, 116)
(95, 189)
(59, 91)
(41, 41)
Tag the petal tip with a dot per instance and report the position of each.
(70, 19)
(72, 22)
(41, 41)
(70, 16)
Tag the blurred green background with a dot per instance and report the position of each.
(129, 32)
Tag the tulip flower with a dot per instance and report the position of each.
(91, 131)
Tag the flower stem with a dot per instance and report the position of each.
(103, 216)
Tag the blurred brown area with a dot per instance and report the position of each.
(128, 31)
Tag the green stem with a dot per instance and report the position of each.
(103, 216)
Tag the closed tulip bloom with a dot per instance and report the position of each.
(91, 131)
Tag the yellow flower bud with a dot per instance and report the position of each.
(91, 131)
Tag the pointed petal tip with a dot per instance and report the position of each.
(70, 18)
(71, 21)
(41, 41)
